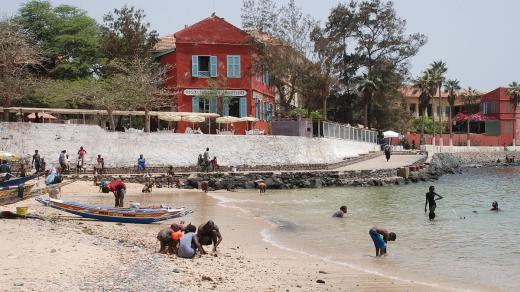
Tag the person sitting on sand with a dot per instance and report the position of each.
(380, 237)
(430, 202)
(189, 243)
(209, 234)
(119, 190)
(342, 212)
(494, 206)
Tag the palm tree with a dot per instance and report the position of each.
(438, 70)
(367, 85)
(514, 97)
(469, 97)
(451, 87)
(424, 85)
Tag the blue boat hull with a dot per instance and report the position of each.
(16, 181)
(115, 219)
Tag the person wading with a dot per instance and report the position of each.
(430, 202)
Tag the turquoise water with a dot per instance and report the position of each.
(467, 246)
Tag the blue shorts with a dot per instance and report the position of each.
(377, 239)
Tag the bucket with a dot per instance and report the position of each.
(22, 210)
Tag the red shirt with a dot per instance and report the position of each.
(116, 186)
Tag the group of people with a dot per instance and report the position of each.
(381, 236)
(206, 164)
(187, 241)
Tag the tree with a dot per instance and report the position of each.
(126, 36)
(146, 86)
(438, 70)
(281, 37)
(514, 97)
(368, 36)
(17, 57)
(452, 86)
(368, 84)
(469, 97)
(69, 38)
(424, 85)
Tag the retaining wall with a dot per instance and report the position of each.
(163, 149)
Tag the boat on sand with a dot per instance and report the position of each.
(111, 214)
(13, 194)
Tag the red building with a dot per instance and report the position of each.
(498, 104)
(214, 54)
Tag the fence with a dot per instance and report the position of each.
(340, 131)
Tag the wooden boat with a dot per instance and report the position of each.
(16, 181)
(13, 194)
(110, 214)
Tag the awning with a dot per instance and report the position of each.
(390, 134)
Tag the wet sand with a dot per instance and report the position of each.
(73, 254)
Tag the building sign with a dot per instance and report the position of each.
(222, 92)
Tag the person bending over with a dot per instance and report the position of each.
(209, 234)
(341, 212)
(380, 237)
(494, 206)
(189, 243)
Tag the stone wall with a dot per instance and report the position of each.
(163, 148)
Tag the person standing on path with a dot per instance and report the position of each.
(388, 152)
(100, 164)
(61, 160)
(206, 159)
(430, 202)
(119, 190)
(36, 161)
(380, 237)
(141, 163)
(81, 154)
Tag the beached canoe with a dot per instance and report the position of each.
(110, 214)
(16, 181)
(13, 194)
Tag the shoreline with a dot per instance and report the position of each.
(105, 249)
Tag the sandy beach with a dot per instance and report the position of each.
(73, 254)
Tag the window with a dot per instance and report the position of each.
(266, 76)
(485, 107)
(233, 66)
(447, 111)
(438, 110)
(203, 66)
(508, 109)
(257, 108)
(508, 127)
(493, 107)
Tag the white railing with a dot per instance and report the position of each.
(341, 131)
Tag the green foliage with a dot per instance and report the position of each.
(298, 113)
(68, 37)
(415, 125)
(126, 36)
(316, 115)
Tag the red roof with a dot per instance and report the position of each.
(212, 30)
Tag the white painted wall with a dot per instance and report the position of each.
(162, 149)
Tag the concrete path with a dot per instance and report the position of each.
(380, 163)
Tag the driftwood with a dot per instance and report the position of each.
(11, 215)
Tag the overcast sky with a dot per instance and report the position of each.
(478, 39)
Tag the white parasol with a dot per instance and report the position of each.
(169, 117)
(193, 119)
(227, 120)
(9, 156)
(390, 134)
(247, 120)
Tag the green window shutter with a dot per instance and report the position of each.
(195, 66)
(213, 66)
(229, 66)
(243, 107)
(195, 104)
(213, 105)
(257, 108)
(225, 107)
(237, 67)
(508, 127)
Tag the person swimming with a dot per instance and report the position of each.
(494, 206)
(430, 202)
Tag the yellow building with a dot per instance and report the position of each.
(411, 98)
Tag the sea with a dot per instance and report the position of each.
(466, 247)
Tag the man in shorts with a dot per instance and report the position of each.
(380, 237)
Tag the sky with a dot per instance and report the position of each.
(478, 39)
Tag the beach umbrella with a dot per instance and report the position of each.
(169, 117)
(227, 120)
(193, 119)
(247, 120)
(390, 134)
(9, 156)
(43, 115)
